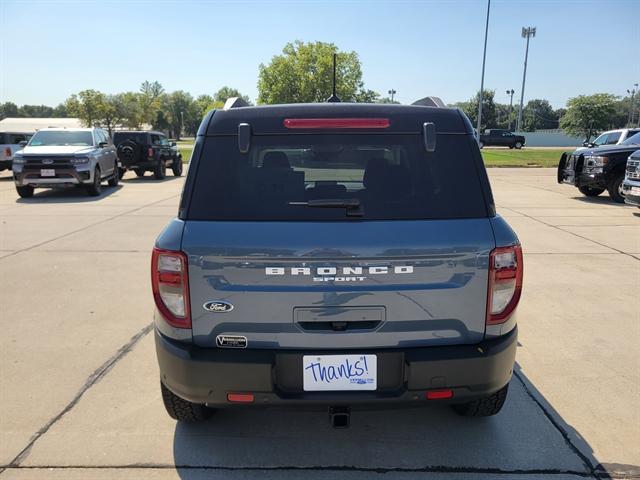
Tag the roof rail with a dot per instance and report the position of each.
(430, 102)
(234, 102)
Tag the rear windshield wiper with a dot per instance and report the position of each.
(353, 206)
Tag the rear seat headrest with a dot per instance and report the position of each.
(275, 160)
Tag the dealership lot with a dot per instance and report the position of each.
(79, 393)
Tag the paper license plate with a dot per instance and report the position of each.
(635, 191)
(47, 172)
(339, 372)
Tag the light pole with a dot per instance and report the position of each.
(527, 32)
(181, 122)
(632, 109)
(392, 92)
(510, 92)
(484, 57)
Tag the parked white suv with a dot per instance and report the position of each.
(611, 137)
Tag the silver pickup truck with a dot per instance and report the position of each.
(57, 157)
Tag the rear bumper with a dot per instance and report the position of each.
(207, 375)
(5, 164)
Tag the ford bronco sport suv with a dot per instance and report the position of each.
(56, 157)
(143, 151)
(336, 255)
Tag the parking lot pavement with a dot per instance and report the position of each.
(79, 395)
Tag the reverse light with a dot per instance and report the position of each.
(335, 123)
(170, 284)
(505, 283)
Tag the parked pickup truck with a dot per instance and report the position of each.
(10, 143)
(336, 255)
(598, 169)
(631, 185)
(501, 138)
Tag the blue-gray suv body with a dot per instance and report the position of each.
(336, 255)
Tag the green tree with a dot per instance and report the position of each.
(588, 114)
(387, 100)
(88, 106)
(227, 92)
(60, 111)
(150, 100)
(538, 114)
(180, 107)
(35, 111)
(304, 73)
(8, 109)
(488, 110)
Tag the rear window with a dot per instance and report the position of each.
(336, 177)
(120, 137)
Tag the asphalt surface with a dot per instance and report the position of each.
(79, 394)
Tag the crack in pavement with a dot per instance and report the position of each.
(94, 378)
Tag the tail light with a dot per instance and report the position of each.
(505, 283)
(7, 152)
(170, 283)
(150, 152)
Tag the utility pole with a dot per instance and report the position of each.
(484, 58)
(527, 32)
(632, 109)
(510, 92)
(181, 122)
(392, 92)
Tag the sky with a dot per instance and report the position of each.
(51, 49)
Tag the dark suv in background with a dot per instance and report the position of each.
(143, 151)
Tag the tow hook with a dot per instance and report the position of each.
(340, 417)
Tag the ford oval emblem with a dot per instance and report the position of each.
(47, 161)
(218, 306)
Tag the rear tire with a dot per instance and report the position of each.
(182, 410)
(176, 167)
(483, 407)
(160, 170)
(25, 191)
(614, 187)
(518, 145)
(95, 189)
(590, 192)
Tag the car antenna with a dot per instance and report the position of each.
(334, 97)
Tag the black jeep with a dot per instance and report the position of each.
(143, 151)
(595, 170)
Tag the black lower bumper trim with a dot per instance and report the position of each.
(206, 375)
